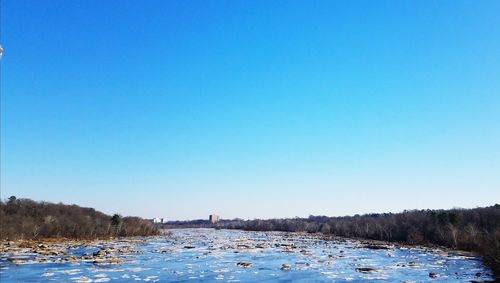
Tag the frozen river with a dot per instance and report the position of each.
(194, 255)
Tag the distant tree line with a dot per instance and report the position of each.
(28, 219)
(476, 230)
(197, 223)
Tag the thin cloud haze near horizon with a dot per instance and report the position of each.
(259, 109)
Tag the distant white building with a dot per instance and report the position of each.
(160, 220)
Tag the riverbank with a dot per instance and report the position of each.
(28, 219)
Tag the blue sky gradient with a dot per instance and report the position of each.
(251, 108)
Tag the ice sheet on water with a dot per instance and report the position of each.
(213, 255)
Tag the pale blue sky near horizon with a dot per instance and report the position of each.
(251, 109)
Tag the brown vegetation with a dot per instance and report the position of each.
(28, 219)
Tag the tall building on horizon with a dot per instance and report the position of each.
(213, 218)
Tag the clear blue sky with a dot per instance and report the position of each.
(251, 108)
